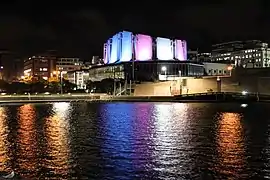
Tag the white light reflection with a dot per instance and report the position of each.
(172, 138)
(244, 105)
(61, 109)
(57, 136)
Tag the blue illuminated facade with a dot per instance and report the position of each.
(164, 48)
(115, 48)
(126, 46)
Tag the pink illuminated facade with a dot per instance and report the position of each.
(143, 47)
(180, 50)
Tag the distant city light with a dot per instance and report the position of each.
(244, 92)
(163, 68)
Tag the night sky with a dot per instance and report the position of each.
(80, 30)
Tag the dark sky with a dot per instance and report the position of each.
(79, 30)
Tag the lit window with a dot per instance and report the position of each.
(45, 69)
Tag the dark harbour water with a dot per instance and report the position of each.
(135, 141)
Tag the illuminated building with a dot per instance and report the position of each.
(78, 77)
(126, 46)
(247, 54)
(40, 66)
(68, 64)
(141, 57)
(217, 69)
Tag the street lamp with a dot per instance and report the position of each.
(165, 71)
(61, 79)
(230, 70)
(180, 82)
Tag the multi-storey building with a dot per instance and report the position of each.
(69, 64)
(78, 77)
(40, 66)
(204, 57)
(247, 54)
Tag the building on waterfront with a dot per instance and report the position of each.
(193, 55)
(204, 57)
(40, 66)
(7, 62)
(68, 64)
(247, 54)
(141, 57)
(96, 60)
(78, 77)
(146, 71)
(218, 69)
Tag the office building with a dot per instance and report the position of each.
(78, 77)
(40, 66)
(246, 54)
(68, 64)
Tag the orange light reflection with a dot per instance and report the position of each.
(230, 144)
(27, 141)
(4, 144)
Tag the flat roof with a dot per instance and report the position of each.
(149, 62)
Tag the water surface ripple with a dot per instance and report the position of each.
(135, 141)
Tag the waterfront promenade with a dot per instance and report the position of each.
(198, 97)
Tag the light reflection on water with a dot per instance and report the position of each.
(171, 139)
(134, 141)
(27, 151)
(56, 135)
(4, 143)
(231, 148)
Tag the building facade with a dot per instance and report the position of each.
(247, 54)
(41, 66)
(217, 69)
(78, 77)
(69, 64)
(146, 71)
(204, 57)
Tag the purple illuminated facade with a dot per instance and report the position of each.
(143, 47)
(125, 46)
(180, 50)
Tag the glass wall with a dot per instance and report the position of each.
(99, 73)
(146, 71)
